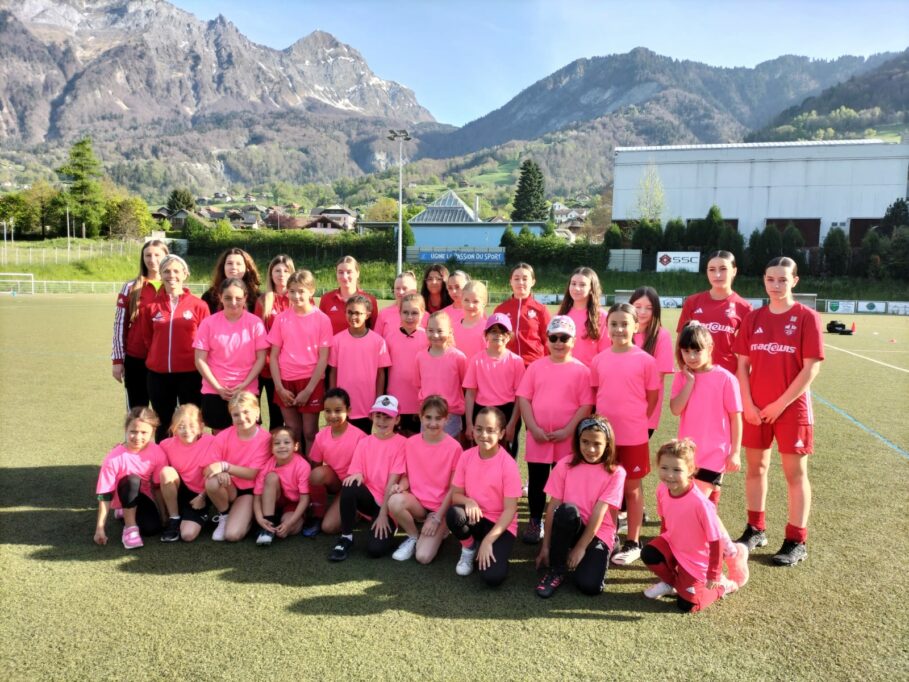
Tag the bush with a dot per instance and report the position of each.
(836, 253)
(674, 235)
(793, 245)
(647, 237)
(729, 240)
(545, 250)
(898, 265)
(509, 239)
(613, 237)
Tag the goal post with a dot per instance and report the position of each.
(17, 282)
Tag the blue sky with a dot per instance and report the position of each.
(464, 59)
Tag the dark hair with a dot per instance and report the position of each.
(495, 412)
(651, 334)
(250, 277)
(142, 277)
(598, 423)
(143, 413)
(340, 394)
(232, 282)
(278, 429)
(437, 402)
(622, 308)
(424, 289)
(725, 255)
(359, 299)
(694, 336)
(522, 266)
(592, 323)
(783, 262)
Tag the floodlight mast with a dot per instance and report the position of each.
(401, 136)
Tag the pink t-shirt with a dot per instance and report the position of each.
(723, 318)
(454, 314)
(120, 463)
(664, 354)
(469, 340)
(622, 381)
(402, 372)
(444, 376)
(496, 380)
(583, 486)
(190, 460)
(299, 338)
(389, 320)
(489, 481)
(777, 346)
(586, 348)
(336, 452)
(430, 467)
(252, 453)
(358, 360)
(555, 392)
(377, 460)
(294, 477)
(690, 523)
(231, 348)
(705, 419)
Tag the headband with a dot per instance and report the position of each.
(591, 423)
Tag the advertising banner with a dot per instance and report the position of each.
(872, 307)
(898, 307)
(690, 261)
(840, 306)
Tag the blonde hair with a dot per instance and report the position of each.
(184, 412)
(441, 315)
(243, 399)
(415, 298)
(683, 449)
(477, 287)
(303, 278)
(142, 413)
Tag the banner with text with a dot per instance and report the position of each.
(872, 307)
(689, 261)
(840, 306)
(898, 307)
(491, 256)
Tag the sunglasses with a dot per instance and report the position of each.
(559, 338)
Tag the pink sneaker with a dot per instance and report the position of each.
(737, 565)
(131, 538)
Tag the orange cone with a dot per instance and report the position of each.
(853, 327)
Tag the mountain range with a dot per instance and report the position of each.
(172, 100)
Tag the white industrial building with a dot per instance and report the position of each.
(814, 185)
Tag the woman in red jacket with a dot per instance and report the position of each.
(529, 318)
(169, 327)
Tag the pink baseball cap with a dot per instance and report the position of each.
(386, 404)
(500, 319)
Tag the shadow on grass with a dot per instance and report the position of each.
(59, 522)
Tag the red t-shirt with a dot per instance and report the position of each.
(722, 319)
(335, 307)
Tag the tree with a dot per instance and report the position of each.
(128, 218)
(647, 237)
(730, 240)
(773, 244)
(384, 210)
(756, 255)
(613, 238)
(549, 229)
(836, 252)
(793, 244)
(898, 265)
(897, 215)
(704, 235)
(674, 235)
(181, 198)
(83, 172)
(873, 247)
(40, 197)
(529, 199)
(509, 239)
(650, 200)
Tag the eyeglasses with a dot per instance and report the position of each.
(559, 338)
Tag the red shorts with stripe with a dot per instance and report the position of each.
(791, 438)
(316, 399)
(635, 459)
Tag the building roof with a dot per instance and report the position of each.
(749, 145)
(447, 209)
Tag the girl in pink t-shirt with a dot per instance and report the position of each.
(404, 342)
(654, 338)
(330, 457)
(188, 452)
(457, 280)
(282, 489)
(441, 369)
(581, 302)
(390, 318)
(376, 467)
(707, 399)
(627, 386)
(127, 477)
(585, 492)
(554, 396)
(239, 452)
(424, 493)
(484, 497)
(300, 341)
(687, 555)
(468, 331)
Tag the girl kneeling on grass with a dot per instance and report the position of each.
(126, 479)
(424, 492)
(188, 452)
(377, 464)
(585, 493)
(282, 489)
(687, 556)
(485, 492)
(239, 452)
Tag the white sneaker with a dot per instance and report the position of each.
(218, 535)
(729, 586)
(658, 590)
(630, 552)
(465, 563)
(406, 549)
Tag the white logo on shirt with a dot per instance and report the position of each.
(531, 314)
(699, 311)
(637, 468)
(789, 329)
(759, 330)
(773, 348)
(714, 327)
(799, 443)
(334, 308)
(730, 311)
(187, 315)
(158, 317)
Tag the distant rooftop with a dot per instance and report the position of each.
(448, 208)
(750, 145)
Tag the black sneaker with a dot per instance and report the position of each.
(311, 528)
(550, 583)
(266, 537)
(171, 531)
(790, 553)
(752, 538)
(341, 550)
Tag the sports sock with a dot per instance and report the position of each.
(756, 520)
(796, 534)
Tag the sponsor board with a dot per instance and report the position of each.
(466, 256)
(671, 301)
(840, 306)
(898, 307)
(548, 299)
(872, 307)
(689, 261)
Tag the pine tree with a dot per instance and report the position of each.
(181, 198)
(83, 172)
(529, 200)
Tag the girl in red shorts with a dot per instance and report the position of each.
(780, 350)
(300, 339)
(627, 387)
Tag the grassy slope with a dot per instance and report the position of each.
(207, 610)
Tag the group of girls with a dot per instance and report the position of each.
(423, 406)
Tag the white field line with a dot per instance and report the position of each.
(863, 357)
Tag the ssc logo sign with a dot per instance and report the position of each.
(688, 261)
(665, 259)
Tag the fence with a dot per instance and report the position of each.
(26, 255)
